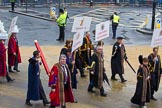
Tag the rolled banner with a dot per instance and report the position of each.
(42, 57)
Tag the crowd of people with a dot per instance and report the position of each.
(13, 52)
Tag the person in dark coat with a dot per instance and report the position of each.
(79, 63)
(13, 51)
(117, 59)
(97, 64)
(91, 3)
(68, 44)
(155, 71)
(35, 89)
(142, 93)
(13, 4)
(73, 70)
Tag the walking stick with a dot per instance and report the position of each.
(106, 79)
(130, 66)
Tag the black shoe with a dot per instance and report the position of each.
(58, 39)
(113, 37)
(46, 103)
(17, 70)
(103, 94)
(11, 71)
(51, 106)
(83, 76)
(114, 79)
(153, 98)
(123, 81)
(75, 101)
(63, 106)
(10, 80)
(91, 91)
(62, 40)
(28, 103)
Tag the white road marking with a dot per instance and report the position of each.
(101, 14)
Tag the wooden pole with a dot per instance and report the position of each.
(74, 56)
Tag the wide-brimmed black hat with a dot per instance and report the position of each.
(120, 38)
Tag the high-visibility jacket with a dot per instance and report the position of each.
(61, 20)
(12, 0)
(116, 19)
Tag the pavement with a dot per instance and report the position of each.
(13, 95)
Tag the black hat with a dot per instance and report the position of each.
(115, 13)
(68, 50)
(140, 59)
(61, 10)
(120, 38)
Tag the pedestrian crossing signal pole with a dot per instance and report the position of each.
(59, 7)
(26, 6)
(153, 14)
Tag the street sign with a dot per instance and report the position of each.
(156, 38)
(81, 24)
(12, 25)
(77, 40)
(158, 23)
(102, 30)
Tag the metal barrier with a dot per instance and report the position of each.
(84, 2)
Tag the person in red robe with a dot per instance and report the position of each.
(3, 70)
(60, 83)
(13, 52)
(3, 66)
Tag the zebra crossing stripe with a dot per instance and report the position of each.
(103, 14)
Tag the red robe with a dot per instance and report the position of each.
(3, 70)
(13, 47)
(56, 80)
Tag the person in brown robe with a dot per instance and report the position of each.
(97, 71)
(142, 93)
